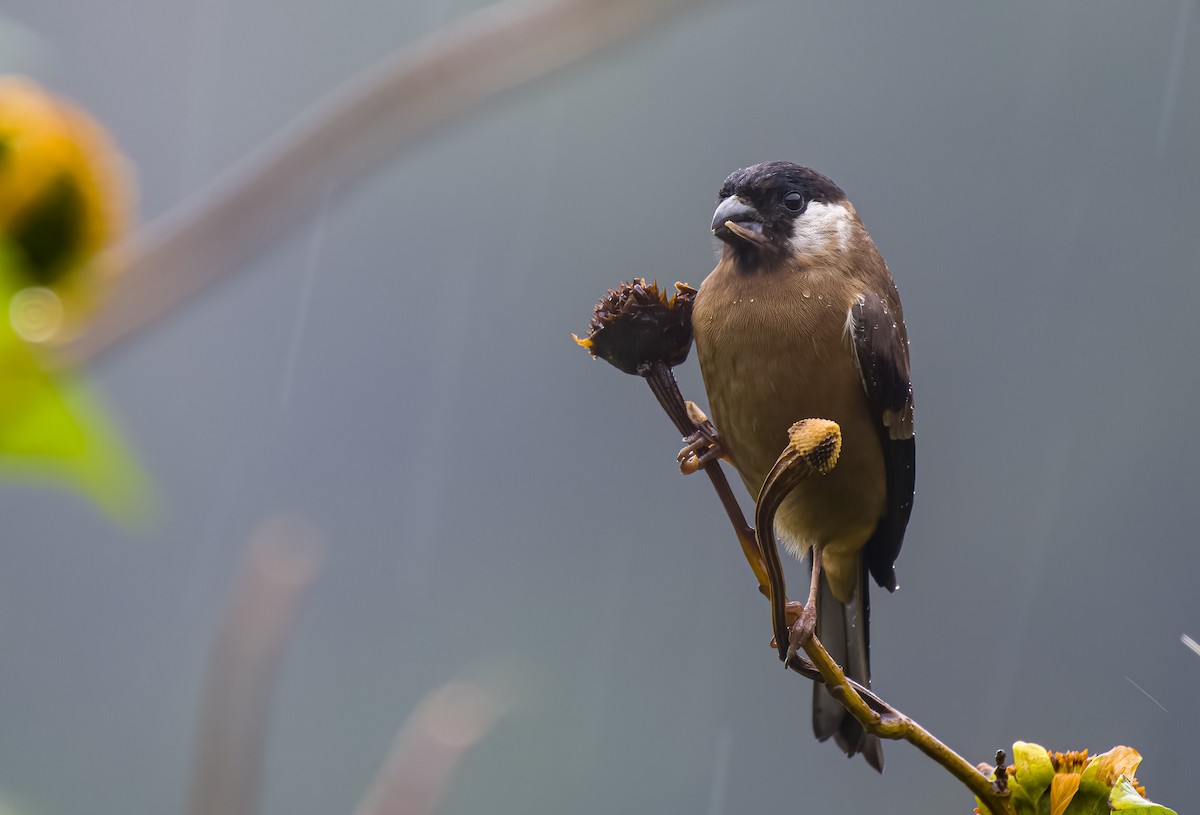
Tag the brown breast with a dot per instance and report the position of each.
(773, 349)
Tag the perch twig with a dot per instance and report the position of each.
(662, 382)
(793, 465)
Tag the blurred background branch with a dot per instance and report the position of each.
(282, 562)
(429, 747)
(388, 107)
(284, 558)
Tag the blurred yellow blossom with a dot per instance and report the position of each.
(63, 200)
(63, 197)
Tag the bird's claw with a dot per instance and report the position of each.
(700, 449)
(801, 631)
(702, 446)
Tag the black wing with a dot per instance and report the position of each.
(881, 348)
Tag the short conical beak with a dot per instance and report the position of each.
(737, 220)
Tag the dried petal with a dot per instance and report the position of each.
(1062, 789)
(1104, 770)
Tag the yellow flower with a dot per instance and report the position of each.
(63, 198)
(1074, 783)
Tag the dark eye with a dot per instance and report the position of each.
(794, 201)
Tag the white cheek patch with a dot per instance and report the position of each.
(821, 228)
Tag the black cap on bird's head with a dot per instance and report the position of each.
(759, 206)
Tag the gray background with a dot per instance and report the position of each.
(1029, 170)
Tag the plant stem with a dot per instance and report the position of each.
(780, 481)
(662, 382)
(789, 470)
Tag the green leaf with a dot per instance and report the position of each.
(1125, 798)
(52, 428)
(1088, 802)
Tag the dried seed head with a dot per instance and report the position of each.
(1069, 761)
(636, 324)
(818, 441)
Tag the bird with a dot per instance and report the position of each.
(801, 318)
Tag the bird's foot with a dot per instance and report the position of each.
(792, 610)
(802, 630)
(805, 624)
(700, 447)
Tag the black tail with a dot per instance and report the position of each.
(844, 631)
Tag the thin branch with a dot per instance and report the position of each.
(282, 561)
(793, 465)
(391, 106)
(805, 453)
(662, 382)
